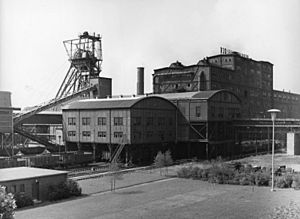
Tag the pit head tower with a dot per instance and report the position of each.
(85, 56)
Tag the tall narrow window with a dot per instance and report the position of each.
(22, 187)
(202, 81)
(198, 111)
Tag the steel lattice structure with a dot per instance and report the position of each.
(85, 55)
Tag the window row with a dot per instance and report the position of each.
(101, 134)
(136, 135)
(118, 121)
(101, 121)
(13, 188)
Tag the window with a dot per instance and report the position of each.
(13, 189)
(22, 188)
(137, 135)
(202, 81)
(149, 121)
(136, 120)
(71, 133)
(198, 111)
(149, 134)
(161, 135)
(101, 121)
(86, 120)
(86, 133)
(213, 111)
(118, 134)
(71, 121)
(161, 121)
(170, 121)
(102, 134)
(118, 121)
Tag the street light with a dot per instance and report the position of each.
(273, 117)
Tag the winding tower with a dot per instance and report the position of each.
(85, 56)
(81, 81)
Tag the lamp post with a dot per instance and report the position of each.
(273, 117)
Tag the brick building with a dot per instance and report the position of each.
(250, 80)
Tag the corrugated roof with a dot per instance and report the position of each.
(190, 95)
(17, 173)
(104, 103)
(125, 103)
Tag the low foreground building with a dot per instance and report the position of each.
(33, 182)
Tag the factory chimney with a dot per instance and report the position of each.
(140, 81)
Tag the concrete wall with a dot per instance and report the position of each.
(293, 143)
(5, 114)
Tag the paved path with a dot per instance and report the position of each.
(176, 198)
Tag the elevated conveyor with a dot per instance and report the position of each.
(52, 103)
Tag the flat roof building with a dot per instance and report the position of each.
(31, 181)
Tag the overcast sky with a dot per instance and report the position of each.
(149, 33)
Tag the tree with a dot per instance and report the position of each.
(168, 159)
(163, 160)
(159, 161)
(116, 174)
(7, 204)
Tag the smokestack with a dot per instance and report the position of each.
(140, 81)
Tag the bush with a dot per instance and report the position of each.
(73, 188)
(296, 182)
(184, 172)
(284, 181)
(262, 178)
(23, 200)
(63, 190)
(195, 171)
(7, 204)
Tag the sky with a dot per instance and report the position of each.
(148, 33)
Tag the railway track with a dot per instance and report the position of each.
(88, 170)
(103, 173)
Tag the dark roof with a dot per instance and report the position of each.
(205, 95)
(237, 55)
(176, 64)
(110, 103)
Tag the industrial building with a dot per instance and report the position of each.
(250, 80)
(221, 104)
(200, 120)
(217, 106)
(144, 123)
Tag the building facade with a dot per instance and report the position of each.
(105, 123)
(250, 80)
(205, 121)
